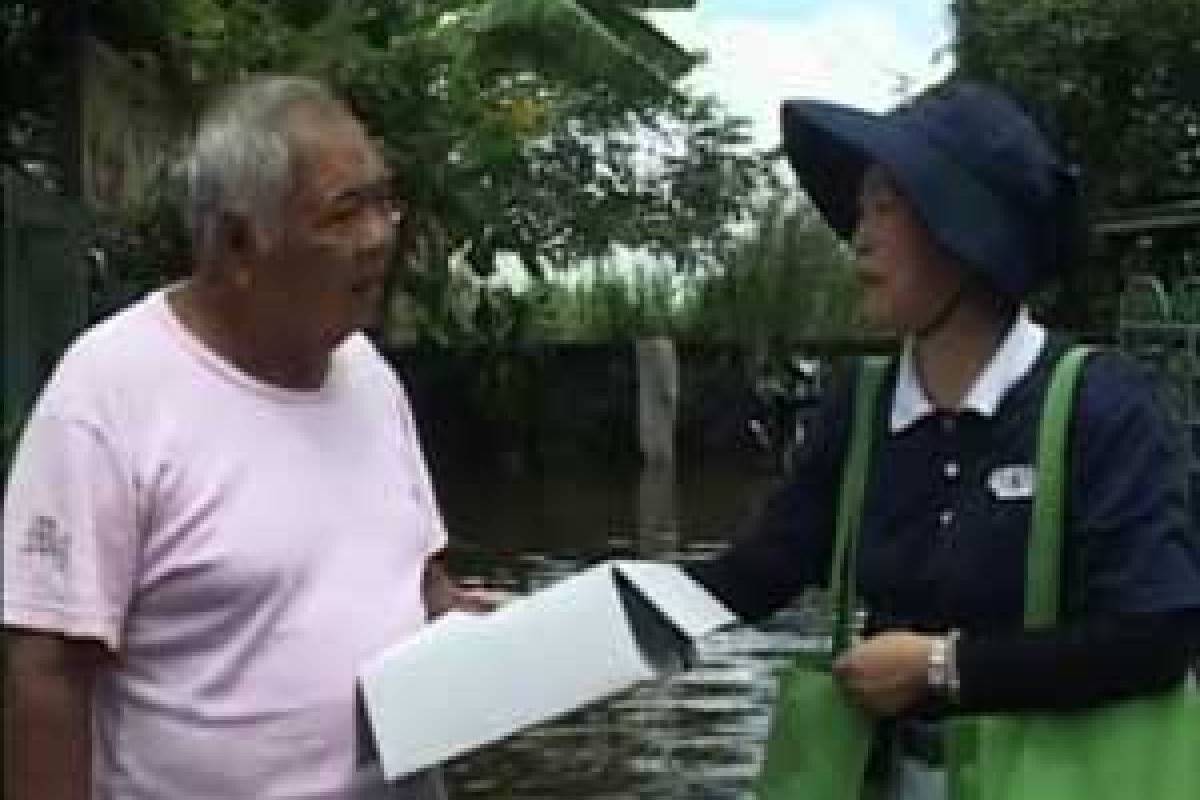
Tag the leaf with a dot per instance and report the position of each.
(566, 38)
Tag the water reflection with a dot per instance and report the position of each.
(657, 512)
(697, 735)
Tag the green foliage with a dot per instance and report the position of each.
(138, 248)
(612, 307)
(29, 92)
(1118, 78)
(550, 129)
(606, 41)
(786, 278)
(615, 305)
(792, 278)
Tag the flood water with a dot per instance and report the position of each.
(696, 735)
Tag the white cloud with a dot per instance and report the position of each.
(854, 51)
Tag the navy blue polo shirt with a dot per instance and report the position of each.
(946, 520)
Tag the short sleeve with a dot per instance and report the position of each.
(70, 540)
(1139, 554)
(411, 441)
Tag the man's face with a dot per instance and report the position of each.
(323, 274)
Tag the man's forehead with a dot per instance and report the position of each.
(312, 134)
(337, 153)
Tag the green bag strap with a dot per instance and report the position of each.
(1044, 566)
(871, 376)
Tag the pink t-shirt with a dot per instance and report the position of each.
(241, 547)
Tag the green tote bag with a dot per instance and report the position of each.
(819, 742)
(1143, 749)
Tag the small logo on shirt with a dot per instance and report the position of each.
(1015, 482)
(44, 538)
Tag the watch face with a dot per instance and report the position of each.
(937, 675)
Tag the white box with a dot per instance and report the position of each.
(467, 680)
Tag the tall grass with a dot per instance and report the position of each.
(792, 278)
(616, 305)
(789, 278)
(786, 279)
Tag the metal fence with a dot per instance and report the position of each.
(1160, 326)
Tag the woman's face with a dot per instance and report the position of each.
(908, 279)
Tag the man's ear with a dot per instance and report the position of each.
(236, 234)
(245, 238)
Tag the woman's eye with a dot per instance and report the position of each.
(883, 202)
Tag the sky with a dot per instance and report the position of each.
(850, 51)
(763, 51)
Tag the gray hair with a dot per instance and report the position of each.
(241, 159)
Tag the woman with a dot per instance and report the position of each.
(958, 209)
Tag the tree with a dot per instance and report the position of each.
(517, 126)
(788, 278)
(1118, 78)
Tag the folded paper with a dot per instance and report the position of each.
(468, 680)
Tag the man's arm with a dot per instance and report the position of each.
(443, 593)
(48, 682)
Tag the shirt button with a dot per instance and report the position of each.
(946, 518)
(948, 424)
(951, 470)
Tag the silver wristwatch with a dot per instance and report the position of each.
(942, 674)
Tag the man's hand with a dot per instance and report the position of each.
(476, 600)
(443, 593)
(887, 674)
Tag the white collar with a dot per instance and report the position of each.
(1011, 362)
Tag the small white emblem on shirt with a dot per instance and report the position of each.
(1015, 482)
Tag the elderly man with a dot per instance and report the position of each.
(219, 507)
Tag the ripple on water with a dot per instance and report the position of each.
(698, 734)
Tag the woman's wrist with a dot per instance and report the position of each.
(942, 675)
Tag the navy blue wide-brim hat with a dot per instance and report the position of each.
(980, 174)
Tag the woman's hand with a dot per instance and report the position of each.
(887, 674)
